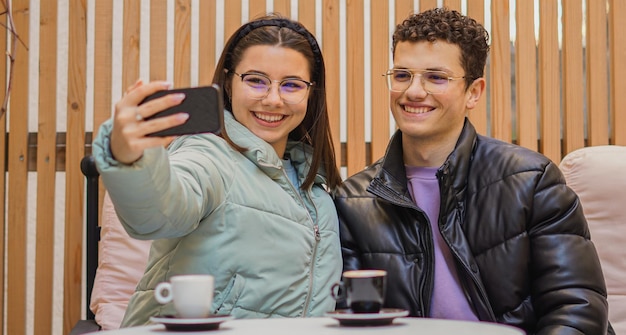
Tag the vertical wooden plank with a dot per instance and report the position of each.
(182, 43)
(549, 84)
(453, 4)
(46, 168)
(18, 175)
(478, 116)
(379, 51)
(617, 50)
(330, 49)
(103, 60)
(102, 76)
(597, 76)
(355, 147)
(306, 15)
(573, 134)
(526, 74)
(257, 8)
(232, 18)
(4, 77)
(500, 71)
(283, 7)
(427, 4)
(158, 39)
(74, 180)
(130, 48)
(404, 8)
(206, 43)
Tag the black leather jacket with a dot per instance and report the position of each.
(518, 234)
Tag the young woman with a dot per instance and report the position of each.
(249, 206)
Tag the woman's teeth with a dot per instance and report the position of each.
(417, 110)
(269, 117)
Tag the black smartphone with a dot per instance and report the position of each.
(204, 105)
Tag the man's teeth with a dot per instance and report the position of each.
(269, 117)
(416, 110)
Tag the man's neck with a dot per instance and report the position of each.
(426, 153)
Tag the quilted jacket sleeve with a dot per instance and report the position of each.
(568, 293)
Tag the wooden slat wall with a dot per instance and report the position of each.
(206, 44)
(330, 48)
(500, 74)
(103, 60)
(566, 97)
(74, 181)
(617, 54)
(46, 169)
(526, 81)
(355, 148)
(573, 124)
(182, 43)
(476, 9)
(597, 77)
(18, 177)
(3, 162)
(549, 94)
(379, 65)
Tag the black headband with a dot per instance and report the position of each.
(282, 23)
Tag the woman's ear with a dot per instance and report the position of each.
(474, 92)
(228, 93)
(227, 89)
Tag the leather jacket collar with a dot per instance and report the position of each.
(390, 181)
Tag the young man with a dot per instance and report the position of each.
(466, 226)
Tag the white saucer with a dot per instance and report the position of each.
(386, 315)
(175, 323)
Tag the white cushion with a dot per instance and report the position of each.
(121, 263)
(598, 175)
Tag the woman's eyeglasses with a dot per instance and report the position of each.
(291, 90)
(433, 82)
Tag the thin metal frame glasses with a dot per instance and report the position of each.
(290, 90)
(433, 82)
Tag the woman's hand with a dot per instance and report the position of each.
(130, 129)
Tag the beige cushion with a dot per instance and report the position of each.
(598, 175)
(121, 263)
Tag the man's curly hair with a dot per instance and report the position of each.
(452, 27)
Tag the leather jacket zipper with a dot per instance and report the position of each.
(427, 283)
(458, 258)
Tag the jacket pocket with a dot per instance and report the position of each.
(225, 301)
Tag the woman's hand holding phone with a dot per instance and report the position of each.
(130, 133)
(152, 114)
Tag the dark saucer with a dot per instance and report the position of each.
(172, 322)
(385, 317)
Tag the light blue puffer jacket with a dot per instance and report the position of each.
(273, 249)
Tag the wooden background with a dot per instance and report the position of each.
(555, 84)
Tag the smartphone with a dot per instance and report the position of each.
(204, 105)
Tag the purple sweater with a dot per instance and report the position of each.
(448, 299)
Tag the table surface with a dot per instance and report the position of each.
(330, 326)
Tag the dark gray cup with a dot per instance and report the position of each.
(363, 290)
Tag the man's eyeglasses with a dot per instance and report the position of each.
(433, 82)
(257, 86)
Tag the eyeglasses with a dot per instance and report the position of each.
(257, 86)
(433, 82)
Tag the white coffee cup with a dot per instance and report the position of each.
(192, 295)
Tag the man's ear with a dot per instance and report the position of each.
(474, 92)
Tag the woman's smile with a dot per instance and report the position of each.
(269, 117)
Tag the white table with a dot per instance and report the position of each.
(329, 326)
